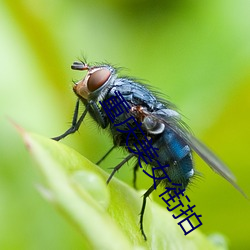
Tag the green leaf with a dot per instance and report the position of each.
(106, 216)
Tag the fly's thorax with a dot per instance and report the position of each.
(93, 85)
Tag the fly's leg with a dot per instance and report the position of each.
(105, 155)
(75, 124)
(145, 196)
(101, 120)
(119, 166)
(136, 167)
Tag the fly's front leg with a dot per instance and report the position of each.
(75, 124)
(98, 114)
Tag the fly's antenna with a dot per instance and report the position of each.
(80, 66)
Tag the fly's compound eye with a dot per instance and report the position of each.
(97, 79)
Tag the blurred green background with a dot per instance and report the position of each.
(196, 52)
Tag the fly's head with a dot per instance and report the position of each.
(96, 79)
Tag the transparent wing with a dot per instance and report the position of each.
(175, 124)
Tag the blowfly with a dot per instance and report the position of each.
(146, 116)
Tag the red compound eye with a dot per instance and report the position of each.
(97, 79)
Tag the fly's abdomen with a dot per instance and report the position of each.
(173, 151)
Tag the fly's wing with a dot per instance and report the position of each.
(174, 123)
(212, 160)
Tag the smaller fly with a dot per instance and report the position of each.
(159, 120)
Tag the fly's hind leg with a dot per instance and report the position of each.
(144, 201)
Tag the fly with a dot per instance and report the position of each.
(159, 120)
